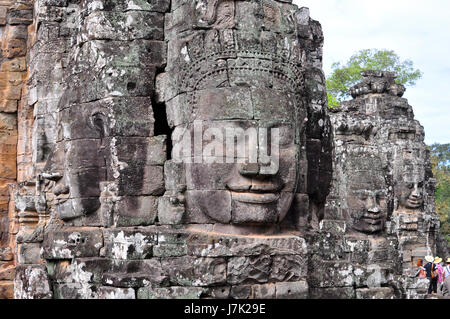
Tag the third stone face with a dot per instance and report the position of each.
(367, 193)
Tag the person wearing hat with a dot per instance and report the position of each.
(446, 286)
(440, 272)
(430, 267)
(447, 269)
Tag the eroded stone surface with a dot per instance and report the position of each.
(72, 243)
(101, 207)
(15, 18)
(227, 69)
(32, 282)
(382, 187)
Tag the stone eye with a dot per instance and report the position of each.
(99, 123)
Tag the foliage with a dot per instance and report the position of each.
(346, 75)
(440, 159)
(332, 100)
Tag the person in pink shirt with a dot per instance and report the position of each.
(446, 286)
(440, 270)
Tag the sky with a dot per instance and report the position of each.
(415, 30)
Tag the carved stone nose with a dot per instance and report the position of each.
(249, 169)
(61, 190)
(372, 206)
(374, 209)
(416, 193)
(256, 169)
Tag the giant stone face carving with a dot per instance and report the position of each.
(237, 84)
(248, 68)
(79, 162)
(410, 175)
(411, 194)
(382, 124)
(367, 193)
(106, 138)
(241, 187)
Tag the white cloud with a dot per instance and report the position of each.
(416, 30)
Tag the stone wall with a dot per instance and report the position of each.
(102, 206)
(92, 222)
(92, 65)
(15, 16)
(381, 207)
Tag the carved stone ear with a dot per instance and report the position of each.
(53, 169)
(206, 12)
(100, 122)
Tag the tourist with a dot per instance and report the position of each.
(440, 272)
(431, 275)
(421, 271)
(447, 269)
(446, 286)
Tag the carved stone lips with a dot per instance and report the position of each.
(262, 192)
(372, 221)
(255, 187)
(255, 198)
(372, 218)
(61, 199)
(414, 202)
(62, 193)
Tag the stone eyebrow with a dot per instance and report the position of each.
(366, 192)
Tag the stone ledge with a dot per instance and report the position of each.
(6, 254)
(6, 290)
(375, 293)
(72, 242)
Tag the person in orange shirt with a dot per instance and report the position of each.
(421, 271)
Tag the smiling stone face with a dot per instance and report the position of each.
(411, 195)
(368, 194)
(236, 97)
(248, 170)
(411, 175)
(79, 161)
(262, 192)
(409, 188)
(105, 141)
(368, 210)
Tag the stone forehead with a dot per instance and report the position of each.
(240, 67)
(240, 42)
(411, 173)
(373, 180)
(364, 167)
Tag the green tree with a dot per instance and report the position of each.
(440, 159)
(345, 75)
